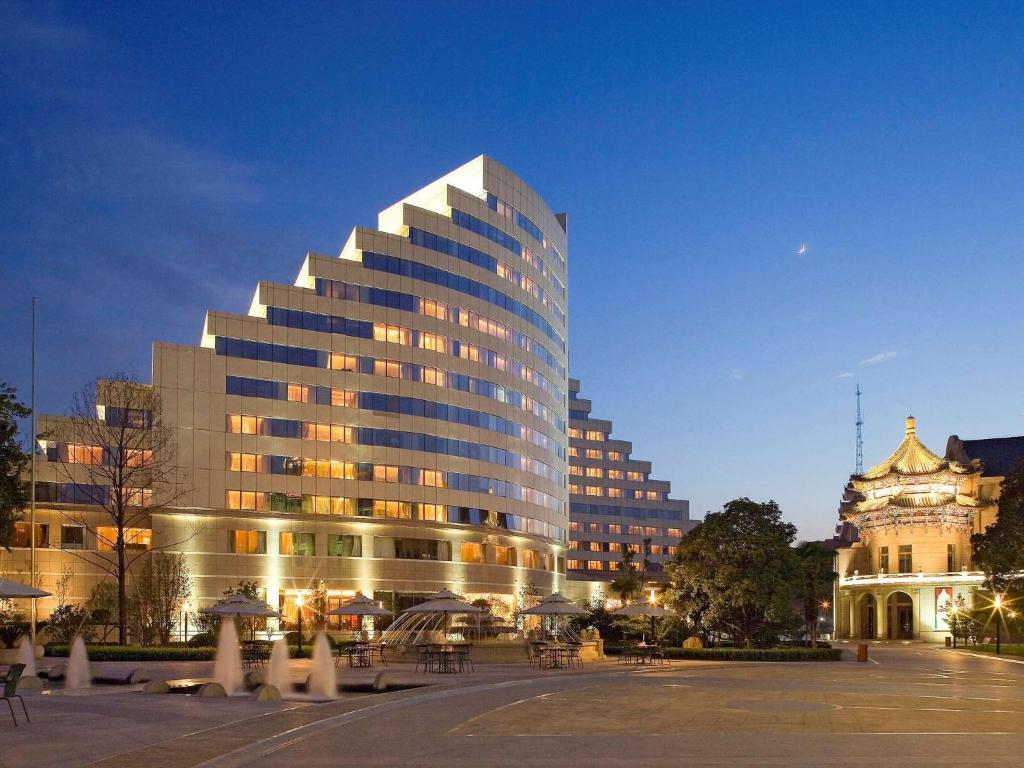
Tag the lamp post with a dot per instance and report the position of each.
(814, 637)
(999, 618)
(299, 602)
(953, 610)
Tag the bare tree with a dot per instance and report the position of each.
(162, 585)
(119, 457)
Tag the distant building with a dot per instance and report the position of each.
(613, 502)
(914, 514)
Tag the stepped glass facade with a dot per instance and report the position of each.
(915, 513)
(394, 422)
(613, 502)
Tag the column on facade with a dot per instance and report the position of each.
(881, 617)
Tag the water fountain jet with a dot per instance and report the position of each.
(278, 675)
(321, 682)
(227, 664)
(78, 674)
(27, 656)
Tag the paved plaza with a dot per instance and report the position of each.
(915, 705)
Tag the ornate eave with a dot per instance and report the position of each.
(951, 516)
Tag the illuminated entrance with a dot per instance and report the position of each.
(900, 616)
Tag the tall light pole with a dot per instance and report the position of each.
(999, 617)
(32, 482)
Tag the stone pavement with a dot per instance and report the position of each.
(917, 705)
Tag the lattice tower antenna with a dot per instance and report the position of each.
(860, 436)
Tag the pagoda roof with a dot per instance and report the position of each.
(911, 457)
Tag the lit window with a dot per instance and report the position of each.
(248, 542)
(134, 538)
(471, 552)
(301, 544)
(595, 472)
(21, 537)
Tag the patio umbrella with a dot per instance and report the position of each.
(555, 604)
(15, 589)
(444, 603)
(644, 609)
(240, 606)
(361, 605)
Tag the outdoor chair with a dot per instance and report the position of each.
(11, 691)
(536, 651)
(424, 658)
(465, 660)
(574, 657)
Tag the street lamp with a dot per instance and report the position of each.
(953, 610)
(999, 617)
(299, 602)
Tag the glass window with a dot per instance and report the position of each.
(344, 545)
(72, 537)
(504, 555)
(248, 542)
(21, 537)
(301, 544)
(950, 558)
(883, 559)
(134, 538)
(471, 552)
(906, 558)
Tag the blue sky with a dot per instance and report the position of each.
(157, 161)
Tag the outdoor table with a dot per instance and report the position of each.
(359, 655)
(554, 656)
(446, 658)
(642, 654)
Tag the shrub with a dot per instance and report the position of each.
(138, 652)
(69, 620)
(744, 654)
(12, 627)
(202, 640)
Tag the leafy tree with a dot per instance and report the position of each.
(999, 549)
(814, 584)
(963, 621)
(13, 464)
(127, 470)
(629, 584)
(740, 561)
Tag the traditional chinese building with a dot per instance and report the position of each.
(915, 513)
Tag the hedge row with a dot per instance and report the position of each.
(744, 654)
(138, 653)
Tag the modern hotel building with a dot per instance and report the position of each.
(394, 422)
(613, 502)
